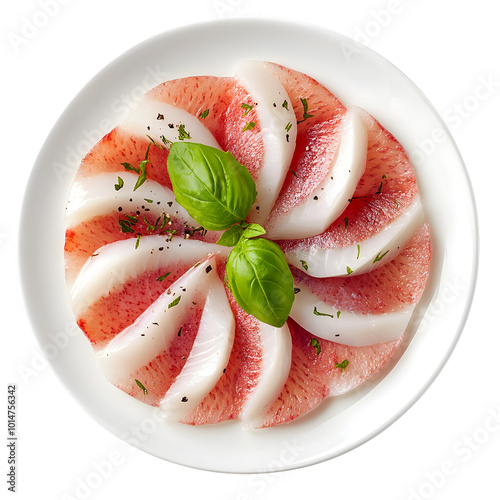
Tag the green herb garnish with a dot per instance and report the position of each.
(247, 108)
(161, 278)
(315, 344)
(342, 365)
(317, 313)
(218, 192)
(305, 114)
(183, 133)
(248, 126)
(379, 257)
(119, 185)
(174, 302)
(144, 390)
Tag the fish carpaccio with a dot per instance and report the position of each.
(148, 288)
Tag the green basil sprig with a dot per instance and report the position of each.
(260, 280)
(215, 189)
(218, 192)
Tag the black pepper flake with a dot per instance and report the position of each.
(224, 371)
(120, 209)
(161, 249)
(170, 203)
(160, 117)
(208, 269)
(148, 127)
(257, 208)
(315, 198)
(138, 212)
(130, 199)
(184, 399)
(170, 125)
(287, 138)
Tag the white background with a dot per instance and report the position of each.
(447, 445)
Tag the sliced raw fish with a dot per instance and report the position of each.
(384, 193)
(276, 360)
(279, 131)
(165, 124)
(153, 331)
(121, 281)
(324, 204)
(208, 357)
(320, 369)
(363, 256)
(368, 308)
(226, 400)
(319, 115)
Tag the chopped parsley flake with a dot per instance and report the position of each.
(154, 144)
(137, 241)
(338, 314)
(248, 126)
(346, 222)
(315, 344)
(317, 313)
(349, 270)
(204, 114)
(285, 104)
(174, 302)
(359, 250)
(144, 390)
(288, 126)
(148, 200)
(119, 185)
(304, 264)
(141, 170)
(379, 188)
(183, 133)
(247, 108)
(161, 278)
(342, 365)
(125, 226)
(305, 114)
(165, 141)
(379, 257)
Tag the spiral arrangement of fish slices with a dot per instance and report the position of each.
(335, 190)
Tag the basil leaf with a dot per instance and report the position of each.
(231, 237)
(260, 280)
(253, 230)
(214, 188)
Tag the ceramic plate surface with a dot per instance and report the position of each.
(356, 75)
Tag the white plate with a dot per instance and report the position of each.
(357, 76)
